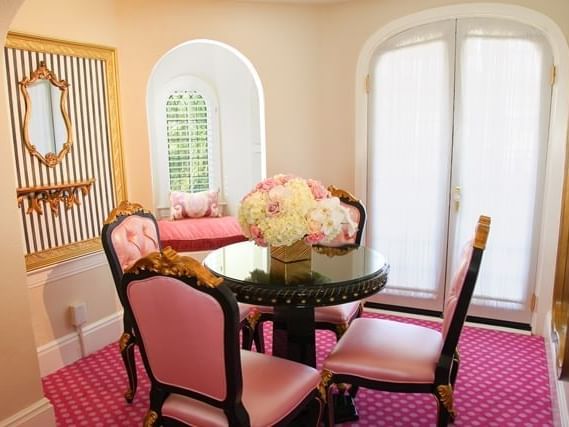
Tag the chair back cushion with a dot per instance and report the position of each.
(136, 236)
(345, 237)
(128, 236)
(357, 212)
(456, 288)
(462, 288)
(181, 329)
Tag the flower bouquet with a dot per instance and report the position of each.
(286, 209)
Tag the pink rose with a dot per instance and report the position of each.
(255, 231)
(267, 184)
(314, 238)
(257, 235)
(283, 179)
(273, 208)
(261, 242)
(318, 190)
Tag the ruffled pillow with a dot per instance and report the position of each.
(194, 205)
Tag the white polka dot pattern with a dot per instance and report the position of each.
(503, 381)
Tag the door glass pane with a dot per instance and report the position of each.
(502, 111)
(410, 115)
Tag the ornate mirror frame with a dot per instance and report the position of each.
(43, 73)
(115, 189)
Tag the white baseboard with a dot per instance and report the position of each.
(38, 414)
(559, 398)
(562, 404)
(67, 349)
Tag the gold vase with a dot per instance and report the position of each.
(291, 273)
(298, 251)
(291, 264)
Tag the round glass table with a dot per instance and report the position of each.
(331, 276)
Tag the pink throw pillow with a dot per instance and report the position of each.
(194, 205)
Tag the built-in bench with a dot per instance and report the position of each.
(200, 235)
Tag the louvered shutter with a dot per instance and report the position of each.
(189, 133)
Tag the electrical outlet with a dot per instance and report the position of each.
(78, 313)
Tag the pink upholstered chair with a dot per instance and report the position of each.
(335, 318)
(187, 322)
(394, 356)
(129, 233)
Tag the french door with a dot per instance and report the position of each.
(458, 127)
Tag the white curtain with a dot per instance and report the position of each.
(409, 160)
(501, 122)
(485, 135)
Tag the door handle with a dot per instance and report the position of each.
(457, 195)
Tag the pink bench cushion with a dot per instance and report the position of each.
(200, 234)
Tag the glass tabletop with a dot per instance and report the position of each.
(331, 276)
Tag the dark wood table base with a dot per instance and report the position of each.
(344, 409)
(294, 336)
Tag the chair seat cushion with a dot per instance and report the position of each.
(337, 314)
(263, 309)
(272, 389)
(385, 350)
(243, 311)
(200, 234)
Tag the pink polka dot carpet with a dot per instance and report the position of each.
(503, 381)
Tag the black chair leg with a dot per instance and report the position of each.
(127, 344)
(454, 371)
(443, 416)
(259, 338)
(310, 416)
(445, 404)
(247, 337)
(353, 391)
(153, 417)
(453, 375)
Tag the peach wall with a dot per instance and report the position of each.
(281, 41)
(77, 20)
(21, 386)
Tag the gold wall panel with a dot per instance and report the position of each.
(53, 235)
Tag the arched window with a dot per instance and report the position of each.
(189, 134)
(186, 148)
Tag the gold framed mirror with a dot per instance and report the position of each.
(47, 128)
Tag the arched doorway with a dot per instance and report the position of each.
(554, 168)
(230, 120)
